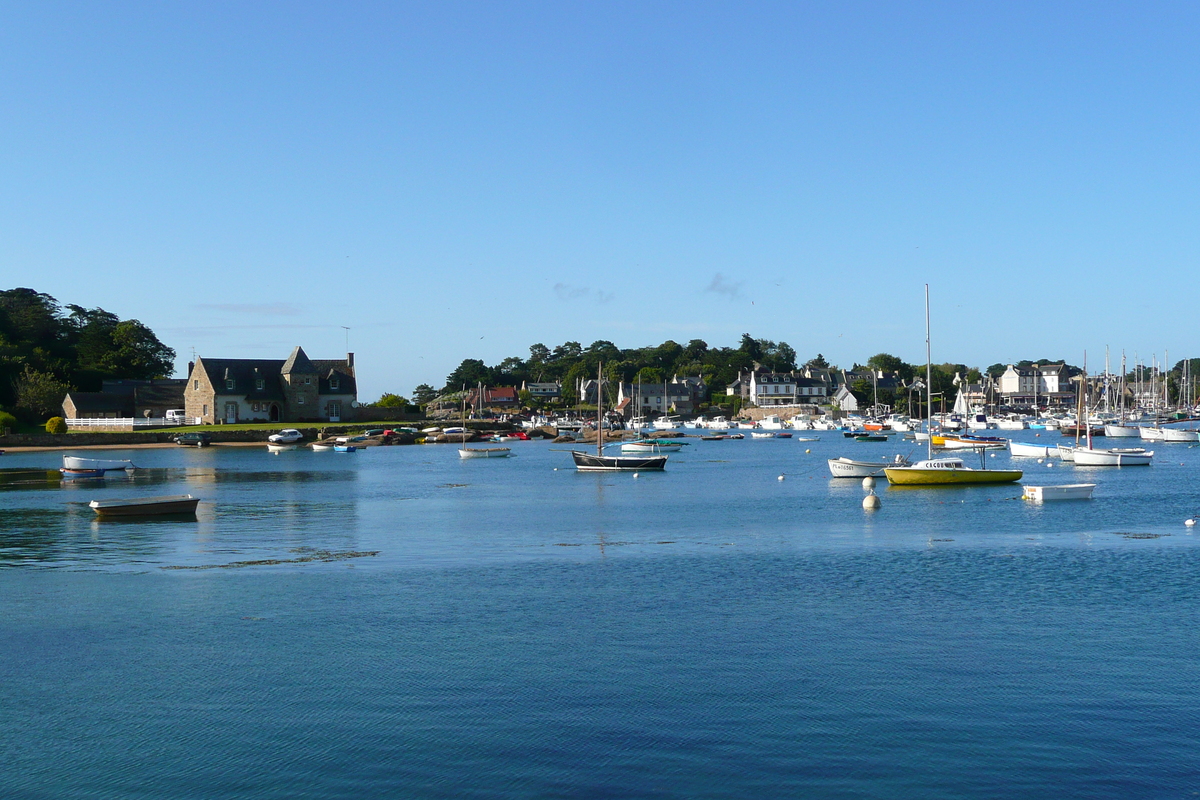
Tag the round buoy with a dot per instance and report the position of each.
(1189, 522)
(993, 455)
(868, 482)
(808, 450)
(556, 469)
(1036, 435)
(780, 477)
(1041, 460)
(872, 502)
(1048, 466)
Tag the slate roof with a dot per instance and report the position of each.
(170, 395)
(102, 401)
(298, 364)
(335, 368)
(245, 373)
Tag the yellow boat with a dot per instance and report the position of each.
(947, 472)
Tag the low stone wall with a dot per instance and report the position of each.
(758, 414)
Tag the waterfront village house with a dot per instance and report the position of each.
(676, 396)
(764, 388)
(125, 399)
(1053, 385)
(544, 390)
(296, 389)
(494, 397)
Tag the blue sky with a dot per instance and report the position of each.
(464, 180)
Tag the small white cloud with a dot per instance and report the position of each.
(566, 291)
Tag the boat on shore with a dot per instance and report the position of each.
(145, 506)
(74, 462)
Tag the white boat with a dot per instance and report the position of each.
(1179, 435)
(761, 435)
(667, 424)
(1066, 453)
(598, 462)
(771, 422)
(477, 452)
(76, 463)
(849, 468)
(1113, 457)
(320, 448)
(1149, 434)
(1121, 431)
(272, 447)
(808, 438)
(717, 424)
(651, 446)
(1068, 491)
(1026, 450)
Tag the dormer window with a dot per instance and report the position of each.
(307, 381)
(229, 383)
(334, 383)
(260, 384)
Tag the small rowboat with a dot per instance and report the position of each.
(1069, 491)
(146, 506)
(76, 474)
(279, 448)
(322, 447)
(74, 462)
(345, 448)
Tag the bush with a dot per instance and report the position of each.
(56, 425)
(7, 420)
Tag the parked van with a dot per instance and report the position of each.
(176, 414)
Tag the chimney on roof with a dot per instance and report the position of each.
(191, 366)
(349, 359)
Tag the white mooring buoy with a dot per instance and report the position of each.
(872, 502)
(1189, 522)
(868, 482)
(808, 450)
(780, 477)
(636, 474)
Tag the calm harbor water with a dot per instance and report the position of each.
(397, 622)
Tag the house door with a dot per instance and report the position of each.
(334, 410)
(231, 413)
(274, 413)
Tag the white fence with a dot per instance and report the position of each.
(132, 422)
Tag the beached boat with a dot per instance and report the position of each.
(1067, 491)
(145, 506)
(849, 468)
(321, 448)
(74, 462)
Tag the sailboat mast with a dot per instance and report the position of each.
(600, 409)
(928, 382)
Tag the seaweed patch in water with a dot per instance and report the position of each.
(452, 485)
(1140, 535)
(314, 555)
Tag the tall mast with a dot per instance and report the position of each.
(600, 409)
(928, 382)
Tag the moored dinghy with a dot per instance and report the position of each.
(74, 462)
(1069, 491)
(146, 506)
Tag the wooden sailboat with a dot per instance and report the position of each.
(599, 462)
(943, 471)
(478, 452)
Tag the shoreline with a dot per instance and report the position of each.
(134, 446)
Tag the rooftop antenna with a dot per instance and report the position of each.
(347, 330)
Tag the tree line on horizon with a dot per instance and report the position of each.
(47, 350)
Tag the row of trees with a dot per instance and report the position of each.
(47, 350)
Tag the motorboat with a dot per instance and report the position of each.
(948, 472)
(146, 506)
(286, 436)
(1067, 491)
(849, 468)
(74, 462)
(771, 422)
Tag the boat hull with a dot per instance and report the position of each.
(485, 452)
(590, 462)
(1111, 458)
(915, 476)
(74, 462)
(146, 506)
(1026, 450)
(1121, 431)
(849, 468)
(1070, 491)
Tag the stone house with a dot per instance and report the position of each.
(126, 398)
(295, 389)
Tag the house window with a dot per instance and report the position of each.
(259, 384)
(196, 385)
(205, 410)
(300, 400)
(307, 381)
(334, 383)
(229, 383)
(255, 406)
